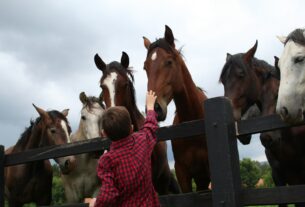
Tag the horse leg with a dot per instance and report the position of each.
(14, 203)
(184, 178)
(202, 182)
(275, 171)
(173, 185)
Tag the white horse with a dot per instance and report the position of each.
(291, 96)
(83, 181)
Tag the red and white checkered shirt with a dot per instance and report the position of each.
(125, 171)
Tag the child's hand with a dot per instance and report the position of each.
(150, 100)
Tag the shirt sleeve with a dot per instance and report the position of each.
(108, 193)
(150, 127)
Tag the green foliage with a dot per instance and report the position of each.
(250, 172)
(58, 196)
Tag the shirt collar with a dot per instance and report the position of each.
(121, 142)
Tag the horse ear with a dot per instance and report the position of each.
(228, 57)
(282, 39)
(83, 98)
(65, 112)
(168, 35)
(125, 60)
(99, 63)
(146, 42)
(250, 54)
(42, 113)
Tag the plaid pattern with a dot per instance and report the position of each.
(125, 171)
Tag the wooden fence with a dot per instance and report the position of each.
(221, 131)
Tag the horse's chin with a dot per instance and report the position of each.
(161, 117)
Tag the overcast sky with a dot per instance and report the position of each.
(47, 48)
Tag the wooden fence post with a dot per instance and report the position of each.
(1, 176)
(223, 153)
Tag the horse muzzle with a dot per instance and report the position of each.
(67, 165)
(161, 111)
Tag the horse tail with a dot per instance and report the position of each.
(173, 185)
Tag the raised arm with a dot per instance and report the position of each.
(151, 124)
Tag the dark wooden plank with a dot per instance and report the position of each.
(262, 124)
(276, 195)
(182, 130)
(1, 175)
(223, 153)
(71, 205)
(96, 144)
(187, 199)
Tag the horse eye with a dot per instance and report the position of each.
(168, 62)
(299, 59)
(83, 118)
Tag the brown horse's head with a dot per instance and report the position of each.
(53, 129)
(240, 83)
(116, 82)
(269, 95)
(164, 67)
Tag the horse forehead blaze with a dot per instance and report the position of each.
(109, 82)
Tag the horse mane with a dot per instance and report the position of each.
(25, 136)
(297, 36)
(237, 59)
(91, 100)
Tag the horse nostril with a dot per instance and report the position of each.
(157, 107)
(284, 111)
(67, 164)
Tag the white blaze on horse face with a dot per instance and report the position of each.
(292, 84)
(92, 124)
(110, 83)
(65, 128)
(154, 56)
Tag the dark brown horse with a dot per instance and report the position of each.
(32, 182)
(118, 90)
(169, 77)
(248, 81)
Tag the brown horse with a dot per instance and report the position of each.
(32, 182)
(248, 81)
(169, 77)
(118, 90)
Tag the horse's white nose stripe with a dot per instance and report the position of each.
(65, 128)
(154, 56)
(110, 83)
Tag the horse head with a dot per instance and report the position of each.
(240, 83)
(165, 71)
(116, 82)
(291, 102)
(55, 130)
(91, 116)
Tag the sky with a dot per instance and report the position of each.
(47, 48)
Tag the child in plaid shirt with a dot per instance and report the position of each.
(125, 171)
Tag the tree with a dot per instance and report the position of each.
(250, 172)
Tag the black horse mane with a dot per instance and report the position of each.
(237, 59)
(25, 136)
(162, 43)
(119, 68)
(91, 100)
(297, 36)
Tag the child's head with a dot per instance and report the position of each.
(116, 123)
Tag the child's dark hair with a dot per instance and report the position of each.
(116, 123)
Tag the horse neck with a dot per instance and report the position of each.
(188, 100)
(137, 118)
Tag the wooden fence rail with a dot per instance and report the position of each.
(221, 131)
